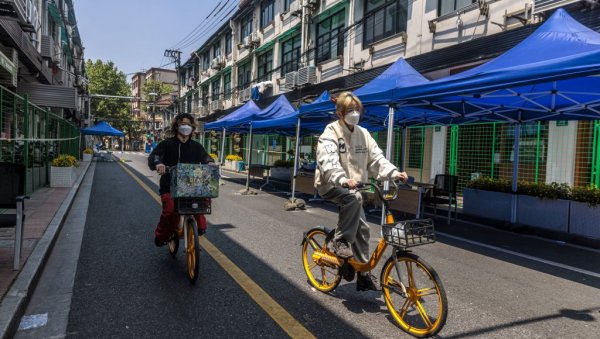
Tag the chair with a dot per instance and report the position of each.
(444, 193)
(12, 178)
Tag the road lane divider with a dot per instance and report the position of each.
(282, 317)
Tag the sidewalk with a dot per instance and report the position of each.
(45, 213)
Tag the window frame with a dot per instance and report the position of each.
(267, 13)
(265, 66)
(247, 68)
(380, 13)
(216, 50)
(215, 94)
(287, 4)
(455, 7)
(228, 43)
(227, 86)
(287, 66)
(328, 37)
(245, 24)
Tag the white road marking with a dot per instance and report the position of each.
(529, 257)
(33, 321)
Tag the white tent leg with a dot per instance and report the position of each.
(295, 171)
(249, 159)
(388, 153)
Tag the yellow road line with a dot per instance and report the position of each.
(285, 320)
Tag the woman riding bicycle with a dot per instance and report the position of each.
(178, 149)
(346, 155)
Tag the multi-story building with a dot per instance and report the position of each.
(153, 110)
(42, 55)
(301, 47)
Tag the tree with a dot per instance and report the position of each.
(106, 79)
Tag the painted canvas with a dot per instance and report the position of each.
(195, 181)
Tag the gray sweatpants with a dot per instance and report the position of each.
(351, 221)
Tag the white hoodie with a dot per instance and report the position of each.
(343, 154)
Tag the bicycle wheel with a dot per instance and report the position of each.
(416, 299)
(322, 275)
(192, 249)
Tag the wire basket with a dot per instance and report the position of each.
(193, 205)
(409, 233)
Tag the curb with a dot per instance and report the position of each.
(16, 299)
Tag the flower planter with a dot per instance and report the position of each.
(87, 157)
(584, 220)
(487, 204)
(62, 176)
(281, 173)
(550, 214)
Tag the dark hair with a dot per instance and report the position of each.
(178, 118)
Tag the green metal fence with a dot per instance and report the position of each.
(33, 136)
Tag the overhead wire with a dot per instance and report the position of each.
(212, 25)
(195, 28)
(205, 26)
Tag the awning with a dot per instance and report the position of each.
(264, 47)
(54, 13)
(102, 128)
(330, 11)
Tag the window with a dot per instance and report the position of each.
(206, 60)
(205, 96)
(286, 4)
(383, 19)
(448, 6)
(217, 50)
(290, 55)
(330, 39)
(228, 43)
(244, 75)
(415, 149)
(265, 66)
(216, 89)
(267, 10)
(245, 27)
(227, 86)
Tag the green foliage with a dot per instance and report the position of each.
(106, 79)
(65, 160)
(214, 156)
(490, 184)
(589, 194)
(88, 151)
(155, 86)
(283, 163)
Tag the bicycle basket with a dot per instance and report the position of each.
(193, 205)
(195, 181)
(409, 233)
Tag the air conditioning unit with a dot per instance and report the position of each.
(47, 47)
(216, 63)
(312, 2)
(255, 38)
(191, 83)
(291, 81)
(204, 110)
(247, 41)
(307, 75)
(216, 105)
(245, 94)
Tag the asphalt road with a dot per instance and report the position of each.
(498, 284)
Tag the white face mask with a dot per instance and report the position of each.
(352, 118)
(185, 130)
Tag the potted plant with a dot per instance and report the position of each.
(231, 161)
(87, 154)
(282, 169)
(488, 198)
(543, 205)
(585, 211)
(214, 156)
(62, 171)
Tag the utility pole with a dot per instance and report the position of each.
(176, 55)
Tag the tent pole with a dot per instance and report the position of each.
(515, 174)
(388, 153)
(122, 142)
(295, 171)
(222, 157)
(249, 158)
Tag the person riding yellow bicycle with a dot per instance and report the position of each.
(346, 155)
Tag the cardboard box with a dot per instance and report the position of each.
(195, 181)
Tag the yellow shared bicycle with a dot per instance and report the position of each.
(412, 290)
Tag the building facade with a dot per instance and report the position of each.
(300, 48)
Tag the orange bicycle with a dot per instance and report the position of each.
(412, 290)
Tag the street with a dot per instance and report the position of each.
(498, 284)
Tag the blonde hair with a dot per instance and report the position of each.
(344, 100)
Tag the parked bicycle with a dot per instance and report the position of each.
(412, 290)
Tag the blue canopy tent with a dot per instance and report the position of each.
(248, 109)
(102, 128)
(105, 129)
(551, 75)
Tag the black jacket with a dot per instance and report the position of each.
(172, 151)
